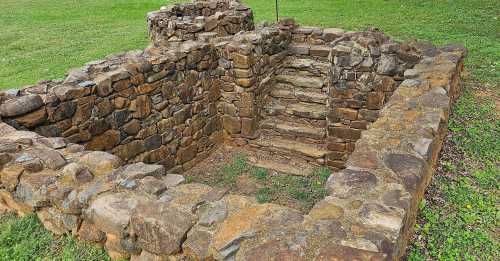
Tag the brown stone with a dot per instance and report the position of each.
(326, 209)
(120, 102)
(363, 125)
(21, 208)
(33, 119)
(248, 126)
(114, 248)
(9, 176)
(344, 133)
(332, 251)
(103, 83)
(146, 88)
(70, 92)
(83, 110)
(100, 163)
(337, 146)
(243, 73)
(242, 61)
(105, 141)
(231, 124)
(246, 106)
(319, 50)
(147, 256)
(32, 189)
(160, 229)
(90, 233)
(103, 108)
(132, 127)
(375, 100)
(346, 113)
(245, 82)
(141, 107)
(188, 153)
(129, 150)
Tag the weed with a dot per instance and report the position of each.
(231, 171)
(459, 221)
(260, 174)
(263, 195)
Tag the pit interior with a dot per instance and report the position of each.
(270, 111)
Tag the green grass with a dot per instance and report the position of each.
(459, 219)
(27, 239)
(301, 192)
(42, 39)
(229, 172)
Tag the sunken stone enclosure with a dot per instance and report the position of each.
(100, 155)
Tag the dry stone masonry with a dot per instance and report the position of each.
(100, 154)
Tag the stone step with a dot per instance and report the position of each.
(320, 51)
(309, 65)
(298, 109)
(291, 146)
(301, 81)
(307, 110)
(288, 167)
(302, 94)
(293, 128)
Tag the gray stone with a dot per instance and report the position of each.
(21, 105)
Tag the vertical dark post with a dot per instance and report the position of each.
(277, 16)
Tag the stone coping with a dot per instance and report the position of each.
(199, 19)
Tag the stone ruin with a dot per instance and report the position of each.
(100, 154)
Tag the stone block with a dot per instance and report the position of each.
(319, 50)
(344, 133)
(375, 100)
(346, 113)
(20, 106)
(248, 127)
(231, 124)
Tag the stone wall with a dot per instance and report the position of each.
(140, 211)
(199, 20)
(154, 106)
(248, 62)
(375, 107)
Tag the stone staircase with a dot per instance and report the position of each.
(293, 119)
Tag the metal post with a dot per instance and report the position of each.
(277, 16)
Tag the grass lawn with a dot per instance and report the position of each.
(26, 239)
(459, 219)
(42, 39)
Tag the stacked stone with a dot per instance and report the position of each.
(314, 41)
(159, 106)
(198, 20)
(367, 68)
(246, 66)
(293, 124)
(172, 104)
(135, 211)
(142, 212)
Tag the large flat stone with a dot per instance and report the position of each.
(293, 128)
(293, 146)
(301, 81)
(160, 228)
(21, 105)
(307, 110)
(111, 212)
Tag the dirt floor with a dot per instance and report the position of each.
(229, 167)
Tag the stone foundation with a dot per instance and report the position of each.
(99, 154)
